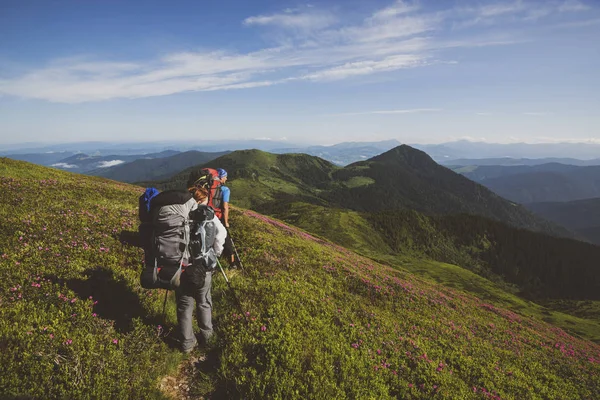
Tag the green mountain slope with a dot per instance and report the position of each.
(535, 265)
(402, 178)
(316, 320)
(407, 178)
(264, 178)
(315, 195)
(580, 216)
(539, 183)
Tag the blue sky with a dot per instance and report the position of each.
(320, 72)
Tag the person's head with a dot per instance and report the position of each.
(222, 174)
(200, 194)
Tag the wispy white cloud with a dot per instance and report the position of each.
(544, 139)
(580, 24)
(367, 67)
(469, 138)
(107, 164)
(573, 6)
(513, 12)
(387, 112)
(322, 46)
(64, 165)
(398, 8)
(292, 19)
(493, 10)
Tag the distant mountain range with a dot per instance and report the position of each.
(580, 216)
(83, 163)
(538, 183)
(103, 153)
(344, 153)
(133, 148)
(45, 159)
(477, 150)
(509, 161)
(460, 152)
(148, 169)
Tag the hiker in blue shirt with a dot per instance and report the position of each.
(225, 194)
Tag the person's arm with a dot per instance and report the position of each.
(226, 214)
(220, 235)
(226, 194)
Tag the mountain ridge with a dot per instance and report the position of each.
(540, 183)
(147, 169)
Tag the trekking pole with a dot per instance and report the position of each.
(230, 287)
(223, 272)
(236, 253)
(165, 305)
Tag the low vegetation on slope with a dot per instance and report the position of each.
(314, 320)
(318, 319)
(74, 322)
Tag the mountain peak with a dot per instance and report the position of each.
(405, 155)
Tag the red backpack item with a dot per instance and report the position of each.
(209, 180)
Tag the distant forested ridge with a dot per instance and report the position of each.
(541, 266)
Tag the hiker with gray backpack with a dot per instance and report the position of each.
(182, 240)
(213, 180)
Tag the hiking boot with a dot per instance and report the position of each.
(191, 348)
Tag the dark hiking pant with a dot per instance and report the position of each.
(187, 294)
(228, 250)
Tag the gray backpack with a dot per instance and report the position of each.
(167, 233)
(204, 258)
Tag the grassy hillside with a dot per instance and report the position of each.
(316, 320)
(74, 322)
(410, 240)
(352, 328)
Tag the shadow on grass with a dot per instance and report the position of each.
(206, 381)
(130, 238)
(115, 301)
